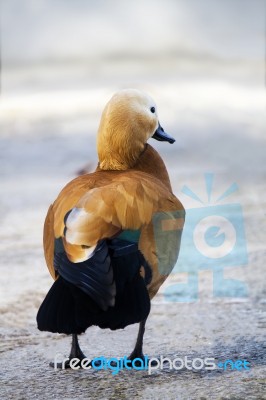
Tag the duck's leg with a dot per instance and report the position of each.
(137, 352)
(75, 352)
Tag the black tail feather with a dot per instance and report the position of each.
(68, 309)
(57, 312)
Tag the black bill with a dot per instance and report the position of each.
(162, 136)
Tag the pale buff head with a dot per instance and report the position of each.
(128, 120)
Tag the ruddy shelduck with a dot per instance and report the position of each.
(112, 237)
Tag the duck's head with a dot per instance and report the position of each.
(128, 120)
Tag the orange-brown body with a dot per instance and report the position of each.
(143, 191)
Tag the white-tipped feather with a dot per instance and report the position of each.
(74, 219)
(88, 253)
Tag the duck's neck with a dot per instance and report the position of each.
(151, 163)
(148, 161)
(116, 163)
(117, 158)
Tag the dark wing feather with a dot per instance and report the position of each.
(93, 276)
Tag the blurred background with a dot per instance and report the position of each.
(202, 61)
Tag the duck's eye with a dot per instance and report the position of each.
(152, 109)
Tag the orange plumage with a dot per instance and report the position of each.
(115, 201)
(128, 189)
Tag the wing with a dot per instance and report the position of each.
(160, 243)
(54, 221)
(101, 205)
(49, 241)
(127, 203)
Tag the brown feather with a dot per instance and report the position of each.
(113, 200)
(48, 241)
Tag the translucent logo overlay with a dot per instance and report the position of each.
(213, 239)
